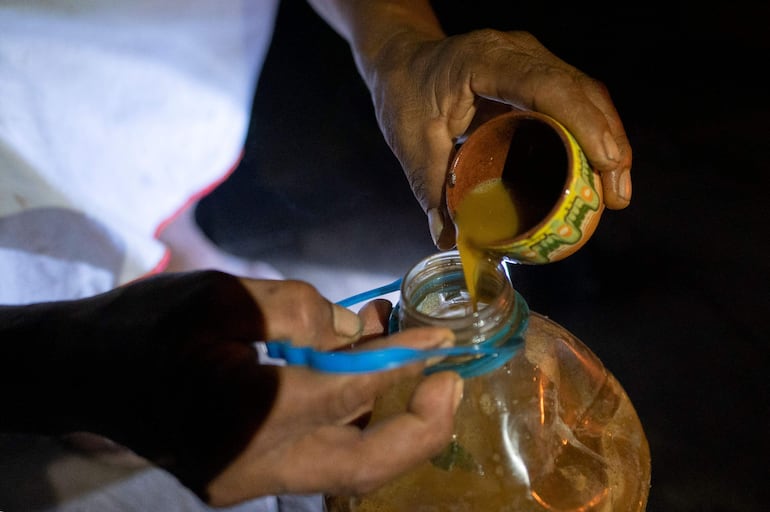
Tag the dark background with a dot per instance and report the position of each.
(671, 293)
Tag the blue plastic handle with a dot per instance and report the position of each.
(364, 361)
(371, 294)
(483, 357)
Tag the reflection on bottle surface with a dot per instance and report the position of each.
(550, 429)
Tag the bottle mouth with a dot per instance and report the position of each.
(434, 293)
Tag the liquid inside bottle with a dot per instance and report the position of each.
(547, 429)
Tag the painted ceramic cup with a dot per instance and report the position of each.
(558, 196)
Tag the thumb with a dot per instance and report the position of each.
(428, 181)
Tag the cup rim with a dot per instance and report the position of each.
(568, 145)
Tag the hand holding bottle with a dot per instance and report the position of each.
(168, 367)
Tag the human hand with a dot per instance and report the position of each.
(430, 91)
(314, 441)
(167, 367)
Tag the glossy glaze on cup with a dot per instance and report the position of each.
(558, 194)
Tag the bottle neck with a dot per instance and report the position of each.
(434, 293)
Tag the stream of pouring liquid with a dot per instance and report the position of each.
(486, 215)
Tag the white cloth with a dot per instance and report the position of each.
(44, 475)
(113, 115)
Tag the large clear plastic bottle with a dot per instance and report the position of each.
(548, 428)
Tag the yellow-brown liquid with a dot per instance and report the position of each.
(486, 215)
(551, 431)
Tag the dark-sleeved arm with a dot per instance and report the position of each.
(165, 366)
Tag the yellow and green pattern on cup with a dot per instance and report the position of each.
(561, 226)
(572, 220)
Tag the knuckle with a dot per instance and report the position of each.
(597, 85)
(306, 303)
(301, 288)
(487, 39)
(366, 479)
(349, 400)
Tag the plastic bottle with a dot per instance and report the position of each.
(548, 428)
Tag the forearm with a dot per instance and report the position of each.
(165, 366)
(36, 373)
(370, 26)
(68, 366)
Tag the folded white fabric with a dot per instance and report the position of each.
(115, 114)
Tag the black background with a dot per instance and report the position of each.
(671, 293)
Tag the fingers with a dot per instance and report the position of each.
(340, 398)
(393, 446)
(593, 121)
(524, 73)
(375, 316)
(440, 224)
(616, 175)
(308, 443)
(584, 107)
(346, 460)
(442, 229)
(367, 460)
(512, 68)
(433, 150)
(294, 310)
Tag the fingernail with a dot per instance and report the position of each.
(458, 393)
(624, 185)
(435, 224)
(611, 150)
(346, 323)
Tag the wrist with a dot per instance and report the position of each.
(381, 33)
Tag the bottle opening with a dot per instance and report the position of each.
(434, 293)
